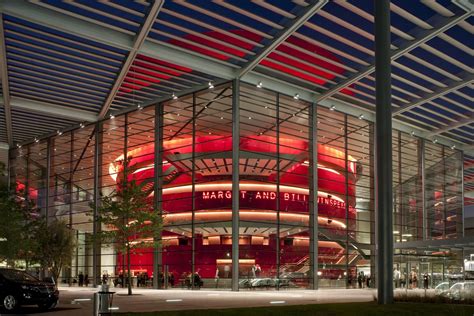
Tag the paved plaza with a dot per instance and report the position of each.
(78, 301)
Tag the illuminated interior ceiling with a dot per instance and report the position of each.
(64, 63)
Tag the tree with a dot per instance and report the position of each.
(16, 227)
(127, 219)
(55, 246)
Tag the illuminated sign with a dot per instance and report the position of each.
(268, 195)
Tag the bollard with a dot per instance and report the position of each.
(102, 301)
(95, 304)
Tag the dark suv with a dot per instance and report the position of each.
(20, 288)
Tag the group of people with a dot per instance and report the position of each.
(362, 279)
(400, 280)
(192, 280)
(83, 279)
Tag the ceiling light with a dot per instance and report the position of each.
(36, 140)
(174, 96)
(59, 133)
(112, 116)
(435, 141)
(139, 107)
(453, 147)
(412, 133)
(82, 125)
(259, 84)
(211, 86)
(18, 145)
(361, 117)
(296, 97)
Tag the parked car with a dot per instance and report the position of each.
(20, 288)
(442, 287)
(460, 291)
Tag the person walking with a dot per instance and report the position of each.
(81, 279)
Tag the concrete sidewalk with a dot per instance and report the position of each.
(147, 300)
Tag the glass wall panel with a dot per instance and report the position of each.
(260, 231)
(360, 208)
(293, 192)
(211, 167)
(334, 190)
(195, 156)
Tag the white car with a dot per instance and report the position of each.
(461, 291)
(442, 287)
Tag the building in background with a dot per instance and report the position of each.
(191, 139)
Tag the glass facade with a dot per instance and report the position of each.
(297, 227)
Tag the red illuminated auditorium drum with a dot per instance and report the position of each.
(259, 196)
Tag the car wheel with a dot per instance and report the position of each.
(10, 303)
(48, 305)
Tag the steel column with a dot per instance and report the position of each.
(96, 248)
(400, 187)
(313, 211)
(462, 194)
(235, 182)
(384, 152)
(277, 239)
(193, 193)
(423, 188)
(158, 189)
(48, 180)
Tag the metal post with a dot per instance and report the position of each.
(423, 188)
(346, 185)
(71, 189)
(313, 211)
(27, 177)
(277, 239)
(462, 195)
(193, 193)
(235, 182)
(401, 208)
(158, 191)
(373, 194)
(445, 207)
(96, 248)
(48, 180)
(384, 152)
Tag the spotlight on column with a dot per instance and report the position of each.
(296, 97)
(174, 96)
(332, 108)
(259, 84)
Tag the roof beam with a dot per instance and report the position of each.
(458, 124)
(308, 12)
(50, 109)
(137, 44)
(5, 84)
(182, 57)
(438, 93)
(406, 47)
